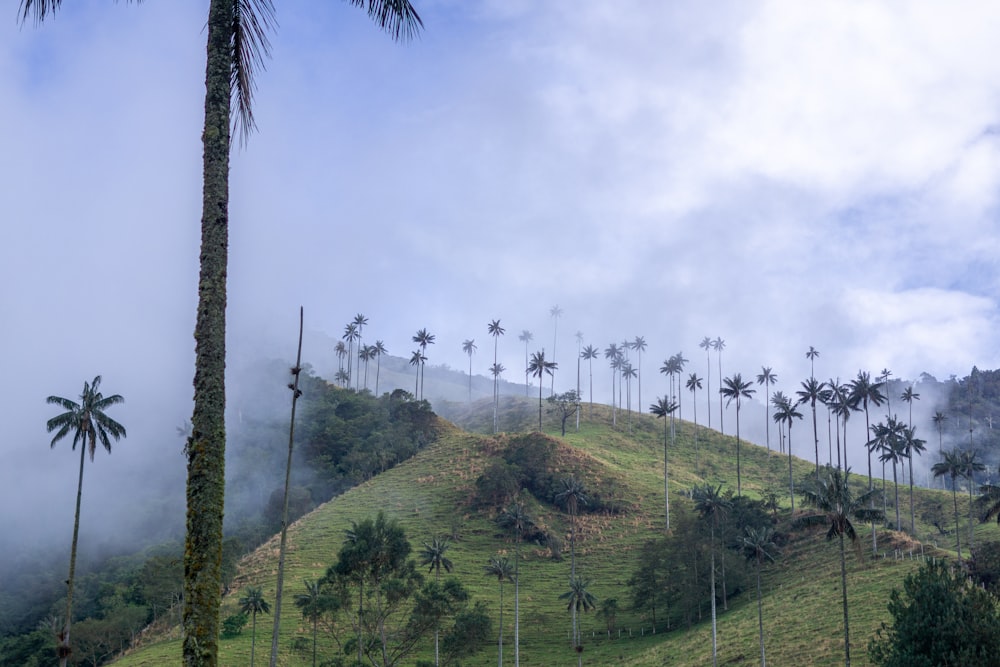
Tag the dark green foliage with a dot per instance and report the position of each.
(497, 484)
(468, 635)
(939, 619)
(984, 566)
(233, 625)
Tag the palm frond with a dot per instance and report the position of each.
(252, 20)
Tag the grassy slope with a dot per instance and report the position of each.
(429, 494)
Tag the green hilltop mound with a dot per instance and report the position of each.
(452, 489)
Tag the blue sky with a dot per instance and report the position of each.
(780, 174)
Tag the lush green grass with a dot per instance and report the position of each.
(430, 494)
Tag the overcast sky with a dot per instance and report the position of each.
(778, 174)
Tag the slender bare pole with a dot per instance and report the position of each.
(294, 386)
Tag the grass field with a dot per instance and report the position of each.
(429, 495)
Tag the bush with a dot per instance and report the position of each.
(232, 626)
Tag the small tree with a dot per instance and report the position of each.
(253, 603)
(564, 406)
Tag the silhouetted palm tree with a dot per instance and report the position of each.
(785, 413)
(538, 367)
(939, 419)
(712, 507)
(469, 346)
(501, 569)
(735, 388)
(495, 330)
(812, 391)
(767, 377)
(590, 353)
(639, 345)
(951, 465)
(888, 439)
(380, 349)
(680, 361)
(832, 496)
(912, 445)
(525, 336)
(811, 355)
(350, 335)
(629, 373)
(971, 464)
(253, 603)
(90, 424)
(423, 339)
(694, 384)
(864, 392)
(613, 355)
(359, 321)
(417, 359)
(572, 495)
(496, 370)
(663, 408)
(719, 345)
(341, 351)
(706, 344)
(758, 545)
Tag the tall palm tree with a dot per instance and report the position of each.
(359, 321)
(680, 361)
(538, 367)
(888, 439)
(366, 354)
(350, 335)
(842, 404)
(639, 345)
(469, 346)
(706, 344)
(516, 516)
(423, 339)
(525, 336)
(613, 355)
(433, 556)
(237, 45)
(90, 424)
(758, 545)
(417, 359)
(496, 370)
(865, 392)
(837, 505)
(785, 413)
(711, 507)
(380, 349)
(719, 345)
(735, 388)
(253, 603)
(629, 372)
(580, 600)
(556, 312)
(939, 419)
(812, 391)
(341, 351)
(663, 408)
(913, 446)
(767, 377)
(951, 465)
(312, 604)
(495, 330)
(501, 569)
(971, 464)
(671, 368)
(590, 353)
(694, 384)
(811, 355)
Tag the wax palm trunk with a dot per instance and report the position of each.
(64, 646)
(207, 449)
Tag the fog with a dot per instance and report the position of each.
(783, 177)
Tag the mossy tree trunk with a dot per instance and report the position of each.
(207, 447)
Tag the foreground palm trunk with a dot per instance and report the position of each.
(63, 651)
(207, 447)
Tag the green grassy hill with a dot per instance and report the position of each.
(430, 494)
